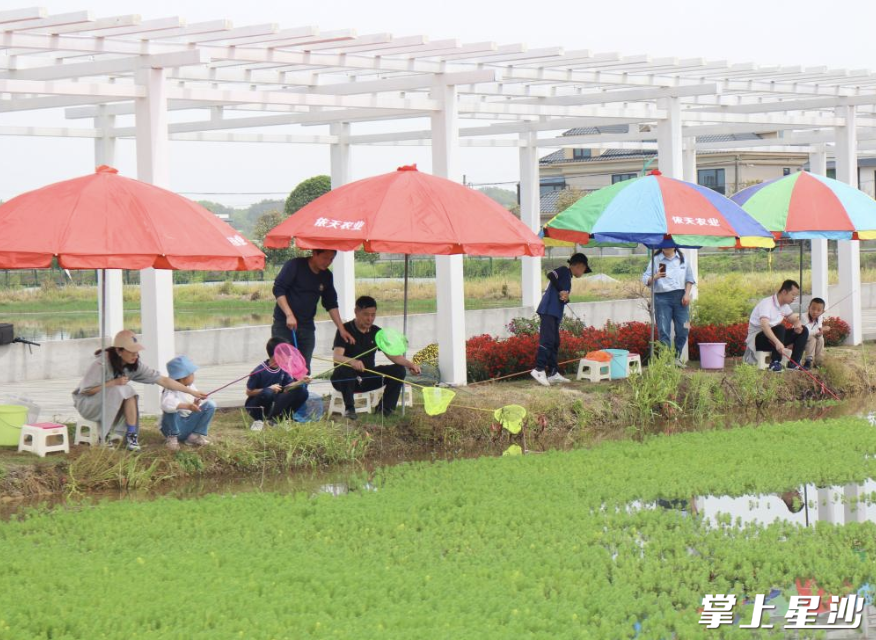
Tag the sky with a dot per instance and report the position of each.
(805, 32)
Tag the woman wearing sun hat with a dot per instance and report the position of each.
(123, 366)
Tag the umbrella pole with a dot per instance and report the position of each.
(101, 312)
(405, 325)
(800, 302)
(653, 284)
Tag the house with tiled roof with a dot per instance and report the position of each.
(588, 168)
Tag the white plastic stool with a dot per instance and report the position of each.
(763, 359)
(634, 363)
(594, 370)
(363, 402)
(35, 438)
(408, 397)
(87, 432)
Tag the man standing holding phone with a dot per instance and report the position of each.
(672, 286)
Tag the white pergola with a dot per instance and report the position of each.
(482, 94)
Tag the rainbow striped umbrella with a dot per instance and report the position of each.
(658, 212)
(804, 206)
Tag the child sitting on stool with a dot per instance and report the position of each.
(183, 418)
(270, 393)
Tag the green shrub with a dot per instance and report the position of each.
(724, 301)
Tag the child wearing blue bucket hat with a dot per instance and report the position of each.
(184, 419)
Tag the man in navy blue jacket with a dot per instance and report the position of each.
(301, 283)
(550, 310)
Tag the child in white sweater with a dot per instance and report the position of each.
(184, 419)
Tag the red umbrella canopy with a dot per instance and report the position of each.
(407, 212)
(105, 221)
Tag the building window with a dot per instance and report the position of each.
(786, 171)
(581, 154)
(713, 179)
(831, 173)
(620, 177)
(547, 185)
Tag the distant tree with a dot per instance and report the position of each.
(263, 225)
(216, 207)
(364, 256)
(504, 197)
(306, 192)
(568, 197)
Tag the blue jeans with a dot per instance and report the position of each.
(305, 336)
(668, 310)
(270, 405)
(173, 424)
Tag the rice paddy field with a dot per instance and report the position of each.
(620, 540)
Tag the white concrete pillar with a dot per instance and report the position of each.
(156, 285)
(854, 505)
(818, 166)
(530, 214)
(449, 280)
(105, 153)
(343, 268)
(825, 505)
(669, 139)
(689, 174)
(848, 302)
(670, 156)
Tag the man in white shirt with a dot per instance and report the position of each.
(767, 333)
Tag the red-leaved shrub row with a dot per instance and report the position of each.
(734, 335)
(489, 357)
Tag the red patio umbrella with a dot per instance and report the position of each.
(408, 212)
(105, 221)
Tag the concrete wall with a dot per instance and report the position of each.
(70, 358)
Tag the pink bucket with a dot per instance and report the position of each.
(712, 355)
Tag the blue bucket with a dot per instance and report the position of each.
(620, 363)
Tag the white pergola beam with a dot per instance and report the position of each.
(57, 20)
(244, 33)
(97, 25)
(51, 132)
(145, 26)
(189, 30)
(16, 15)
(274, 138)
(629, 95)
(104, 67)
(312, 100)
(103, 89)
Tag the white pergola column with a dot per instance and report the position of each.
(848, 304)
(156, 285)
(689, 174)
(818, 166)
(449, 280)
(670, 156)
(530, 214)
(105, 153)
(343, 268)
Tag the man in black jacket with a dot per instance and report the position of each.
(298, 287)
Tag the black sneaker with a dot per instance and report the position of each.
(792, 366)
(132, 442)
(776, 365)
(808, 364)
(350, 414)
